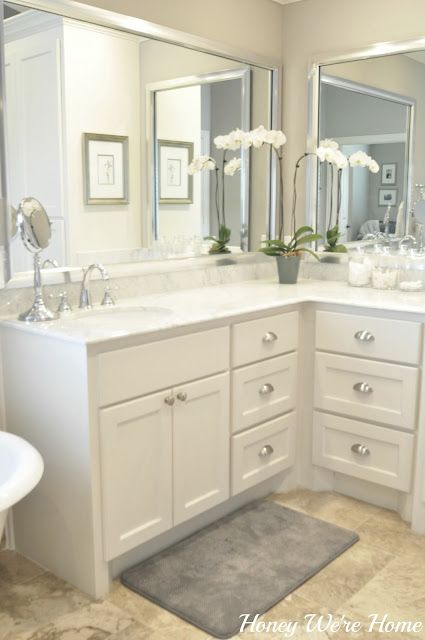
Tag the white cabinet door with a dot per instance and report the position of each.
(136, 472)
(201, 446)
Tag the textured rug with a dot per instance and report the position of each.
(244, 563)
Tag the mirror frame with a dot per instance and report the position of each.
(373, 51)
(138, 26)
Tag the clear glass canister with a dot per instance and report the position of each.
(359, 269)
(385, 272)
(412, 274)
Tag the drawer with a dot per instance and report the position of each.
(368, 337)
(264, 338)
(264, 390)
(365, 451)
(375, 391)
(136, 371)
(262, 452)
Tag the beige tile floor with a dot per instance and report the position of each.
(384, 573)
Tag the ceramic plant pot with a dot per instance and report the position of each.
(288, 268)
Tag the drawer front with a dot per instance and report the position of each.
(262, 452)
(365, 451)
(264, 338)
(136, 371)
(368, 337)
(264, 390)
(375, 391)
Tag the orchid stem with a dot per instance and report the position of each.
(217, 200)
(222, 188)
(332, 193)
(281, 212)
(294, 198)
(338, 204)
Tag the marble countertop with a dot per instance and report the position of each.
(166, 311)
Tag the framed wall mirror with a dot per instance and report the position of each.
(74, 72)
(371, 101)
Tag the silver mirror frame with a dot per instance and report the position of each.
(106, 18)
(374, 51)
(5, 270)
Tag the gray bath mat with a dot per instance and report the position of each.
(244, 563)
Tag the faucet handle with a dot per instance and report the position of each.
(64, 305)
(108, 300)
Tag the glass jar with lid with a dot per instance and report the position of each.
(359, 268)
(385, 271)
(412, 273)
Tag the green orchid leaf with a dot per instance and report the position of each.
(309, 238)
(299, 232)
(310, 252)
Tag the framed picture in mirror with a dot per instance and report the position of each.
(389, 173)
(105, 168)
(387, 197)
(175, 184)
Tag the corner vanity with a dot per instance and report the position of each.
(158, 416)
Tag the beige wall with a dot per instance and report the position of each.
(254, 25)
(325, 26)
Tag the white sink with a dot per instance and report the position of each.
(117, 314)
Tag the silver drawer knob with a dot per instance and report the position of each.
(267, 450)
(266, 389)
(170, 400)
(363, 387)
(269, 337)
(364, 336)
(360, 449)
(182, 396)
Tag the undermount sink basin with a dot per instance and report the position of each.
(127, 309)
(116, 313)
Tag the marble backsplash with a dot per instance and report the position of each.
(167, 276)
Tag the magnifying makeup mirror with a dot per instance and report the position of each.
(35, 229)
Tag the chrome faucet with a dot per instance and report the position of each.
(85, 296)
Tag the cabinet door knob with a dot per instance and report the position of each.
(363, 387)
(364, 336)
(170, 400)
(182, 396)
(360, 449)
(266, 389)
(267, 450)
(270, 336)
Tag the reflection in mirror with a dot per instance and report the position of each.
(216, 104)
(369, 105)
(34, 225)
(68, 81)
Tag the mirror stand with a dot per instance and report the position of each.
(38, 312)
(34, 227)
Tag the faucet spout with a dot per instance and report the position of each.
(85, 295)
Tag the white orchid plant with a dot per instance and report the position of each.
(233, 141)
(329, 151)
